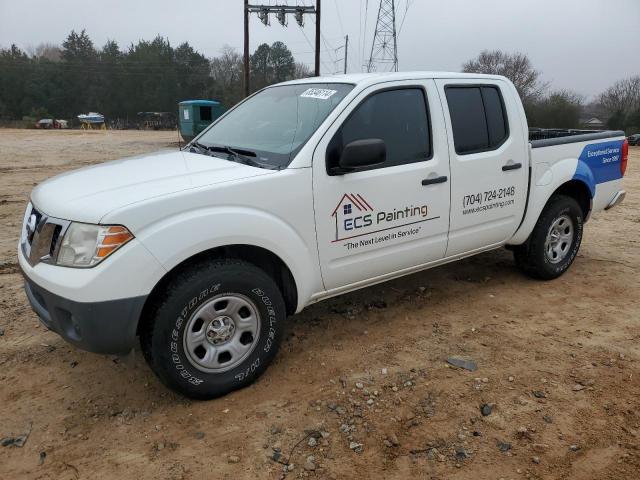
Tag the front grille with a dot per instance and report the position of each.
(42, 236)
(38, 217)
(55, 238)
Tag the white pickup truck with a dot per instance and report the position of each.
(305, 190)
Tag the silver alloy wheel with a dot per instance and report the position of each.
(222, 333)
(559, 239)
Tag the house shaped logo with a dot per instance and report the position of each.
(351, 212)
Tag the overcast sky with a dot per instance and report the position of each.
(584, 45)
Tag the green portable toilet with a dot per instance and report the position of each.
(196, 115)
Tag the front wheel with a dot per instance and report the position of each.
(554, 243)
(216, 329)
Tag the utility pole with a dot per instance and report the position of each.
(281, 12)
(317, 72)
(246, 48)
(384, 48)
(346, 51)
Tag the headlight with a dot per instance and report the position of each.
(87, 245)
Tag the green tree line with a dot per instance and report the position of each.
(77, 77)
(152, 75)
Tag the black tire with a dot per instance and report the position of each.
(532, 257)
(163, 329)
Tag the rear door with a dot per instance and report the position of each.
(393, 216)
(489, 162)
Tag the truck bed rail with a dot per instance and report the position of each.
(547, 137)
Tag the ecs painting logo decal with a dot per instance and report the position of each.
(352, 212)
(356, 217)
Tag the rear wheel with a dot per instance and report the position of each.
(217, 328)
(554, 243)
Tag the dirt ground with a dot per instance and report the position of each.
(558, 362)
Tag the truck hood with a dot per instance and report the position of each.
(88, 194)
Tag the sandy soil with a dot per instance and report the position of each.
(573, 341)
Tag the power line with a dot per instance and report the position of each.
(328, 47)
(406, 9)
(309, 42)
(306, 52)
(364, 32)
(360, 29)
(339, 16)
(345, 58)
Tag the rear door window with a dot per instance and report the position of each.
(478, 118)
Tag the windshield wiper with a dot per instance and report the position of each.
(199, 146)
(243, 156)
(238, 155)
(236, 152)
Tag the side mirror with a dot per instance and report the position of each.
(361, 154)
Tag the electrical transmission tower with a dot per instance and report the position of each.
(384, 49)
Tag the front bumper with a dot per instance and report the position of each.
(100, 327)
(98, 309)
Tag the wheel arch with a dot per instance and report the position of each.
(580, 192)
(262, 258)
(566, 177)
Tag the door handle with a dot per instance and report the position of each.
(431, 181)
(512, 166)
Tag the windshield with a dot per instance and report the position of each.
(276, 122)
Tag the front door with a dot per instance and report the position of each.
(388, 217)
(489, 162)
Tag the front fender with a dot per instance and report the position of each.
(546, 179)
(176, 238)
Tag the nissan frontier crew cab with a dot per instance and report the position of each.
(303, 191)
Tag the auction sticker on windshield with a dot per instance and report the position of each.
(321, 93)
